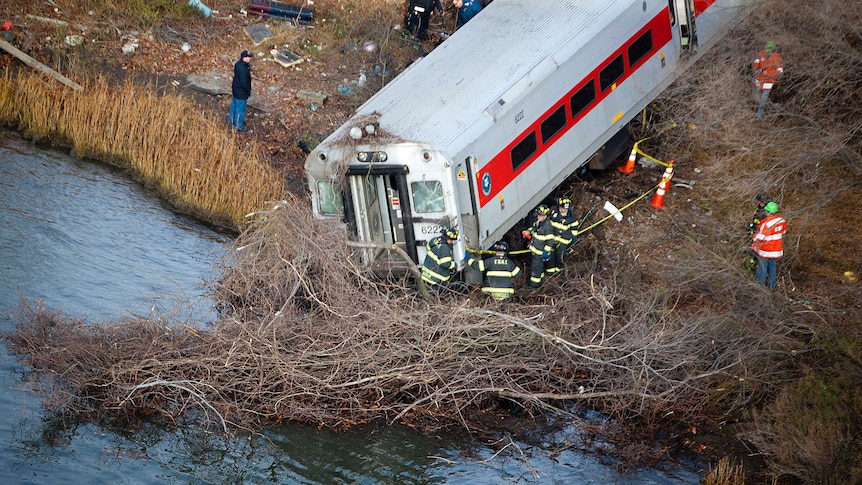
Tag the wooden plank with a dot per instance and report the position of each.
(38, 65)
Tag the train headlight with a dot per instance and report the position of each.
(426, 155)
(371, 157)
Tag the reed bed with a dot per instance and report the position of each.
(195, 163)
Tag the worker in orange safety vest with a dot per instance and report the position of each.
(767, 245)
(768, 67)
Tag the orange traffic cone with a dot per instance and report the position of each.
(658, 198)
(630, 165)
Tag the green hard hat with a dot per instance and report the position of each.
(771, 207)
(770, 46)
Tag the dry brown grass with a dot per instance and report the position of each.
(807, 153)
(196, 163)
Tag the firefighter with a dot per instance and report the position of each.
(768, 246)
(439, 265)
(499, 272)
(768, 67)
(418, 16)
(542, 241)
(565, 225)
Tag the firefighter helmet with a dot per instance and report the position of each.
(564, 202)
(771, 207)
(450, 233)
(543, 210)
(501, 246)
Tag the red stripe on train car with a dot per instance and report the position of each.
(498, 172)
(700, 6)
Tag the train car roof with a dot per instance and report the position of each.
(443, 94)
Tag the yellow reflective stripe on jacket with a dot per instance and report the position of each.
(503, 274)
(433, 277)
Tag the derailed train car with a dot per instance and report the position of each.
(482, 129)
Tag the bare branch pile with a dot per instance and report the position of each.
(312, 338)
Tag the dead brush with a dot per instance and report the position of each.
(308, 336)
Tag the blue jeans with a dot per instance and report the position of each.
(237, 113)
(766, 267)
(762, 98)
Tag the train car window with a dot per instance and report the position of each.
(329, 198)
(613, 71)
(524, 150)
(553, 124)
(428, 196)
(583, 98)
(370, 190)
(640, 48)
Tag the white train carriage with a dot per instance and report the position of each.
(481, 130)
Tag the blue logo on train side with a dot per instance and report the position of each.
(486, 183)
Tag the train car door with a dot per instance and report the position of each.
(378, 196)
(684, 16)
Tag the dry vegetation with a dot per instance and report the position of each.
(166, 141)
(658, 324)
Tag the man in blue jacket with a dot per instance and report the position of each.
(241, 88)
(467, 9)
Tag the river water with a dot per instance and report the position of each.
(84, 239)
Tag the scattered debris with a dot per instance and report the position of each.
(285, 57)
(74, 40)
(612, 210)
(315, 97)
(206, 11)
(26, 59)
(258, 33)
(210, 82)
(48, 20)
(282, 11)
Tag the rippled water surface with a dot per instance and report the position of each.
(84, 239)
